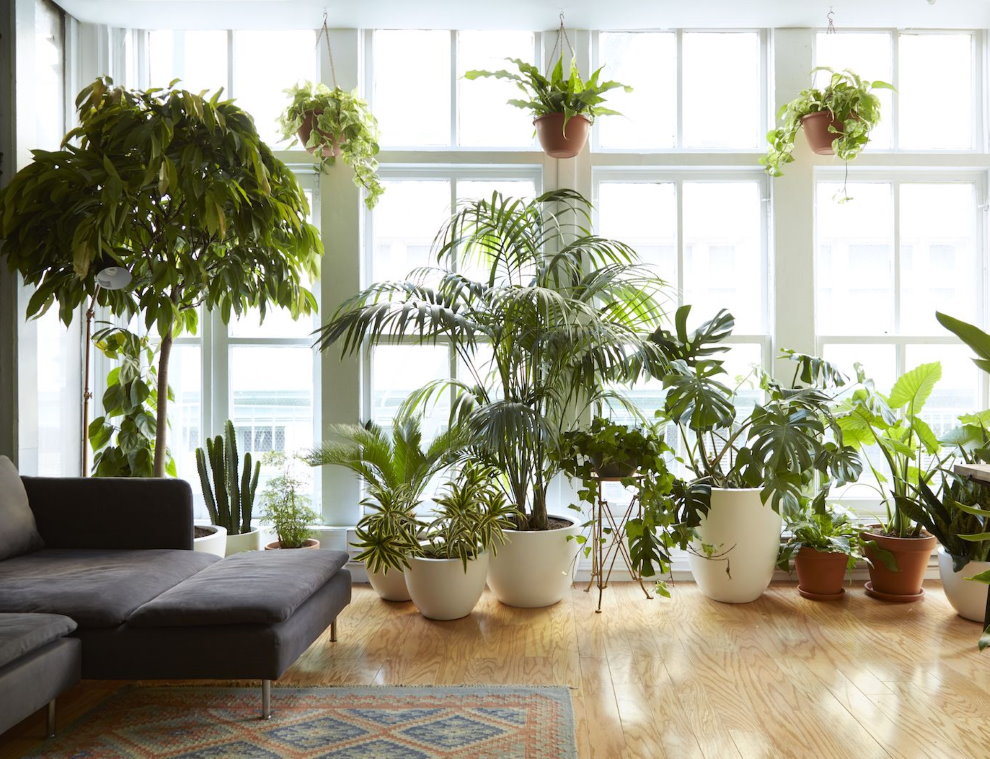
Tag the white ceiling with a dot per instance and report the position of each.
(529, 14)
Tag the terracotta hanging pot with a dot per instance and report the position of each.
(816, 131)
(911, 557)
(820, 575)
(558, 141)
(306, 129)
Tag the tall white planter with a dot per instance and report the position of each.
(535, 567)
(390, 585)
(969, 599)
(441, 589)
(246, 541)
(747, 532)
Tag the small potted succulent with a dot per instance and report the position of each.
(837, 119)
(563, 106)
(335, 123)
(286, 509)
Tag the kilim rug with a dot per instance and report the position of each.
(475, 722)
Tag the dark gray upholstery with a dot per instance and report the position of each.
(216, 651)
(112, 512)
(97, 588)
(18, 531)
(255, 587)
(33, 680)
(20, 634)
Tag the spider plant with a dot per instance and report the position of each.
(541, 312)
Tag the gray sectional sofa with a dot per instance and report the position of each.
(115, 557)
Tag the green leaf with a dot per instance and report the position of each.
(913, 387)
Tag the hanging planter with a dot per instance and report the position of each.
(563, 107)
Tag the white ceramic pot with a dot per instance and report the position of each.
(441, 589)
(746, 536)
(390, 585)
(215, 542)
(968, 598)
(535, 567)
(246, 541)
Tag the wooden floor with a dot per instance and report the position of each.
(680, 678)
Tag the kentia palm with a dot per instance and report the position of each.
(554, 315)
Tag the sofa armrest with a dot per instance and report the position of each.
(112, 512)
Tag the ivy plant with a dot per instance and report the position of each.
(338, 122)
(179, 189)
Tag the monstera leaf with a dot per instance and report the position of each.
(697, 400)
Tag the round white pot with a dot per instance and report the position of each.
(390, 585)
(441, 589)
(739, 526)
(535, 567)
(246, 541)
(215, 543)
(968, 598)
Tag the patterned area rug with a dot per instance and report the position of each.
(342, 723)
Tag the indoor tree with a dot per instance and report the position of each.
(179, 189)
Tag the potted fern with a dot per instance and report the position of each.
(287, 510)
(563, 106)
(335, 123)
(836, 119)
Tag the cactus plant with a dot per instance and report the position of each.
(230, 498)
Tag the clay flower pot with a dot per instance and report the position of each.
(558, 141)
(277, 546)
(911, 556)
(307, 129)
(820, 575)
(816, 131)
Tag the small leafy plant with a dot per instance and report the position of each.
(331, 122)
(823, 528)
(286, 509)
(569, 95)
(848, 99)
(612, 450)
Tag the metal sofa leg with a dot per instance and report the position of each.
(333, 631)
(266, 699)
(50, 720)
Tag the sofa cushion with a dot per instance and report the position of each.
(18, 531)
(96, 587)
(255, 587)
(20, 634)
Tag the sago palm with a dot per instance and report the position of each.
(543, 315)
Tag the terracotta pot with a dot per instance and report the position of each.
(911, 557)
(820, 575)
(558, 142)
(816, 131)
(276, 546)
(307, 129)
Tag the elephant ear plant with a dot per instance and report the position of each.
(230, 499)
(179, 189)
(541, 313)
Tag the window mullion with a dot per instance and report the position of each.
(453, 88)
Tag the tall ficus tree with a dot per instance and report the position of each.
(178, 188)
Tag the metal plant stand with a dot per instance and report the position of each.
(604, 552)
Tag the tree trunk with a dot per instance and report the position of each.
(161, 424)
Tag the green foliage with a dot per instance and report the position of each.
(567, 94)
(891, 426)
(826, 529)
(554, 314)
(230, 500)
(973, 336)
(123, 438)
(179, 189)
(607, 447)
(343, 123)
(286, 509)
(780, 447)
(849, 100)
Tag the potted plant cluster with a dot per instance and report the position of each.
(395, 468)
(335, 123)
(747, 468)
(563, 105)
(536, 344)
(230, 496)
(287, 510)
(904, 455)
(837, 119)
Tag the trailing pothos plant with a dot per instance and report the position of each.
(568, 93)
(332, 122)
(847, 98)
(780, 446)
(123, 437)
